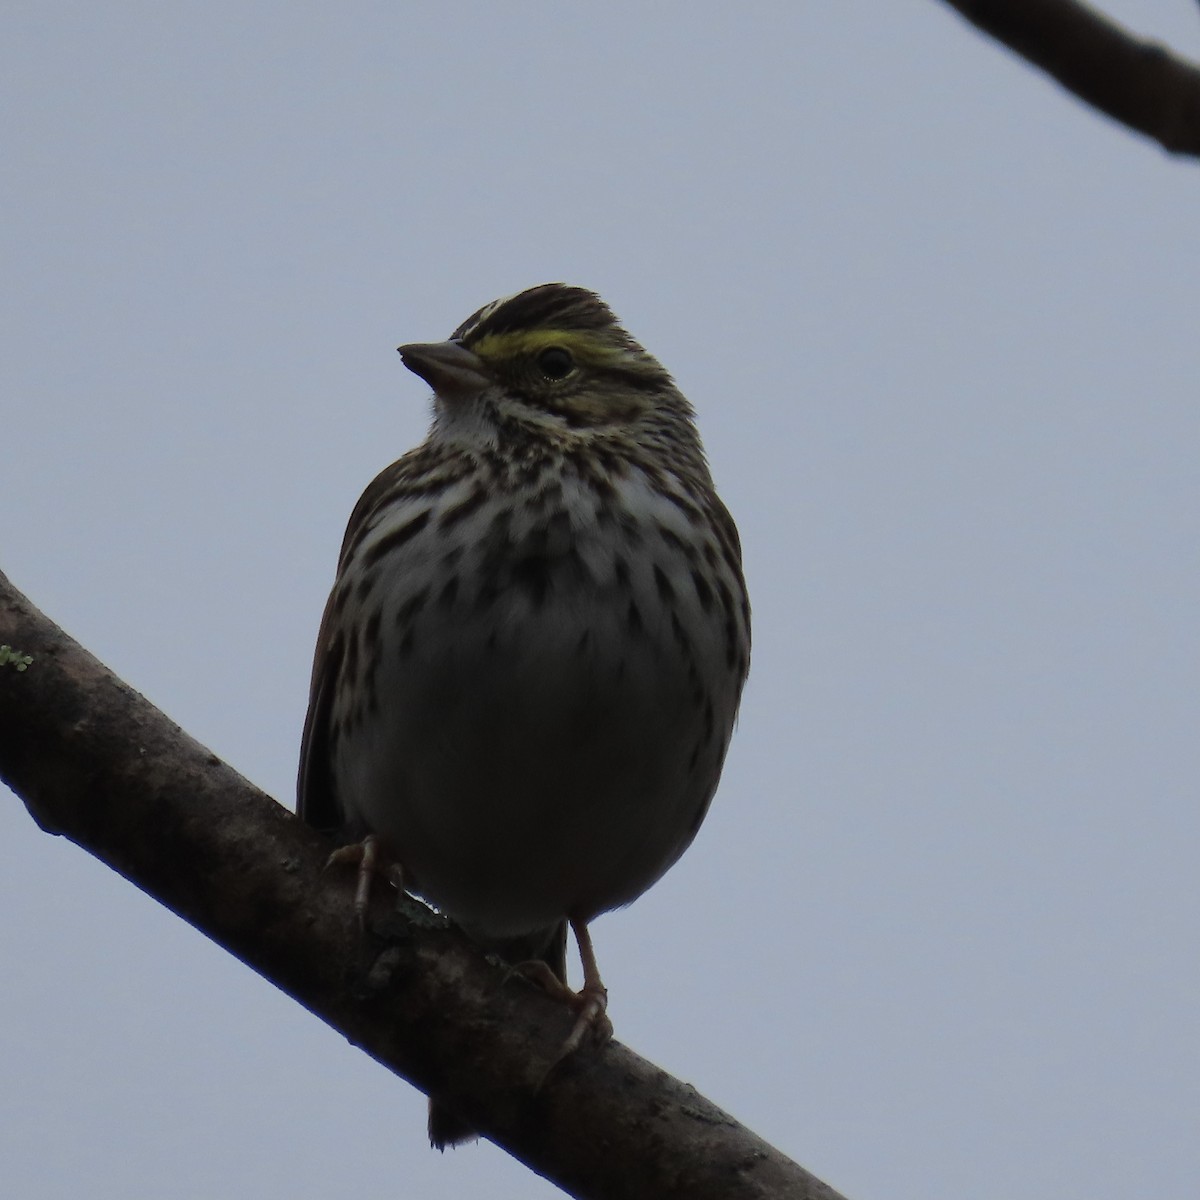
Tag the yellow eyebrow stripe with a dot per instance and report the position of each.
(584, 346)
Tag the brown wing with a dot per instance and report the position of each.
(316, 800)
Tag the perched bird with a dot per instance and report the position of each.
(529, 668)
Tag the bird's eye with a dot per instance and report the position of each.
(555, 363)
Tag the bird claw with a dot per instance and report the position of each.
(592, 1006)
(592, 1003)
(541, 974)
(369, 857)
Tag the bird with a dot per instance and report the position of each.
(531, 661)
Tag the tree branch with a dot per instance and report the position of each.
(1140, 83)
(97, 763)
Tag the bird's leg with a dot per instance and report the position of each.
(371, 860)
(590, 1002)
(591, 999)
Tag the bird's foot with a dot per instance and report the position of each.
(372, 862)
(590, 1003)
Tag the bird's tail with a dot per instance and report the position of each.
(446, 1127)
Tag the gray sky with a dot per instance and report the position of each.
(937, 937)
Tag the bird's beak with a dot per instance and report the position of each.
(448, 367)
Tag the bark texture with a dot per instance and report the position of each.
(97, 763)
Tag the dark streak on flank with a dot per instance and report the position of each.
(681, 637)
(630, 528)
(411, 607)
(532, 576)
(673, 540)
(666, 589)
(602, 488)
(463, 509)
(340, 596)
(396, 538)
(634, 618)
(694, 514)
(350, 662)
(371, 633)
(610, 464)
(730, 613)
